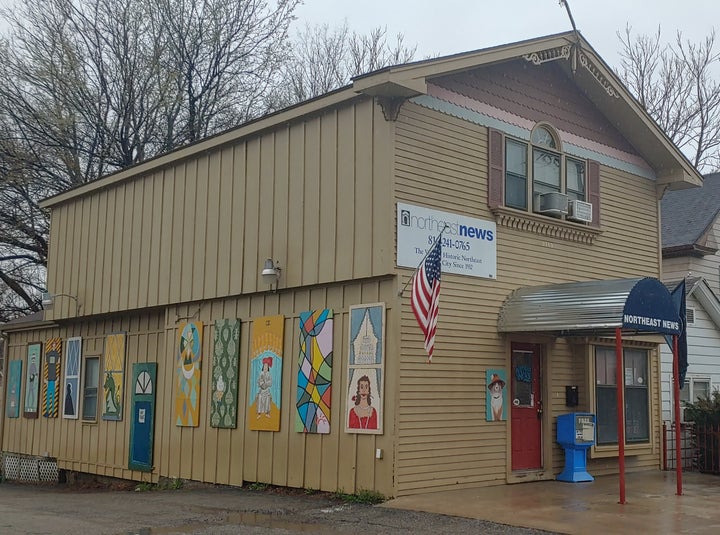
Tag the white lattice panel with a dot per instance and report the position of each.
(11, 464)
(29, 470)
(48, 470)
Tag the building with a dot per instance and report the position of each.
(545, 174)
(690, 231)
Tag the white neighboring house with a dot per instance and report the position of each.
(691, 250)
(703, 329)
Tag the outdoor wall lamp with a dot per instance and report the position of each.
(48, 299)
(271, 273)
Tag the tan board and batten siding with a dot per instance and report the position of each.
(316, 195)
(224, 456)
(443, 440)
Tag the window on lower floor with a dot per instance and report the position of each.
(90, 388)
(635, 391)
(694, 389)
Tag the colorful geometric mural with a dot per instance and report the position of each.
(114, 377)
(51, 377)
(32, 380)
(365, 369)
(314, 388)
(14, 383)
(73, 351)
(265, 374)
(225, 371)
(189, 359)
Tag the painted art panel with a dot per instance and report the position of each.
(114, 377)
(265, 374)
(71, 390)
(14, 384)
(314, 390)
(364, 399)
(32, 380)
(496, 401)
(225, 372)
(51, 377)
(188, 368)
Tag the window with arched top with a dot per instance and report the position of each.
(543, 135)
(525, 174)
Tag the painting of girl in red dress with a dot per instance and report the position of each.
(363, 415)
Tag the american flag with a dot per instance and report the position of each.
(425, 296)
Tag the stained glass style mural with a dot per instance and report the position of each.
(265, 374)
(32, 380)
(114, 377)
(14, 382)
(364, 408)
(51, 377)
(314, 388)
(225, 371)
(73, 360)
(187, 388)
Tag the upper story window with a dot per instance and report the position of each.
(537, 176)
(550, 171)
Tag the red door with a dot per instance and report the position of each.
(526, 407)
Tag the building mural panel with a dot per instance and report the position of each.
(265, 374)
(187, 386)
(225, 372)
(314, 388)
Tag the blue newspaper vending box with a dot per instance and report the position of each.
(576, 433)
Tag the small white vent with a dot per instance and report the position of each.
(690, 316)
(579, 211)
(553, 203)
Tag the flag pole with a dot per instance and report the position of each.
(402, 290)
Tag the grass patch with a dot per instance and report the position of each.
(165, 484)
(257, 486)
(369, 497)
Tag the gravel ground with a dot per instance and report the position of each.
(215, 510)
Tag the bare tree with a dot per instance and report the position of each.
(676, 83)
(93, 86)
(323, 59)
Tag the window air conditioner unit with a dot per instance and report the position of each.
(551, 203)
(580, 211)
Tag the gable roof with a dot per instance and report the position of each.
(687, 217)
(578, 59)
(699, 288)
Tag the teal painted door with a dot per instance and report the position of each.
(143, 417)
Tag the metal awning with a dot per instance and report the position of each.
(638, 304)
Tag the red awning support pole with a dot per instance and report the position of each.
(620, 382)
(676, 398)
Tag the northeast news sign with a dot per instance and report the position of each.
(468, 244)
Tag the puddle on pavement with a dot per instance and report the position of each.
(236, 519)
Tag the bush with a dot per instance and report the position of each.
(705, 415)
(705, 411)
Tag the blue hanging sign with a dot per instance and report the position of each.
(649, 308)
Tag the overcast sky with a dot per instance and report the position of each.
(441, 27)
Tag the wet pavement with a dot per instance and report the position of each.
(26, 510)
(652, 505)
(522, 509)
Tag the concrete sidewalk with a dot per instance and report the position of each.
(652, 505)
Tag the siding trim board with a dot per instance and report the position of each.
(626, 163)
